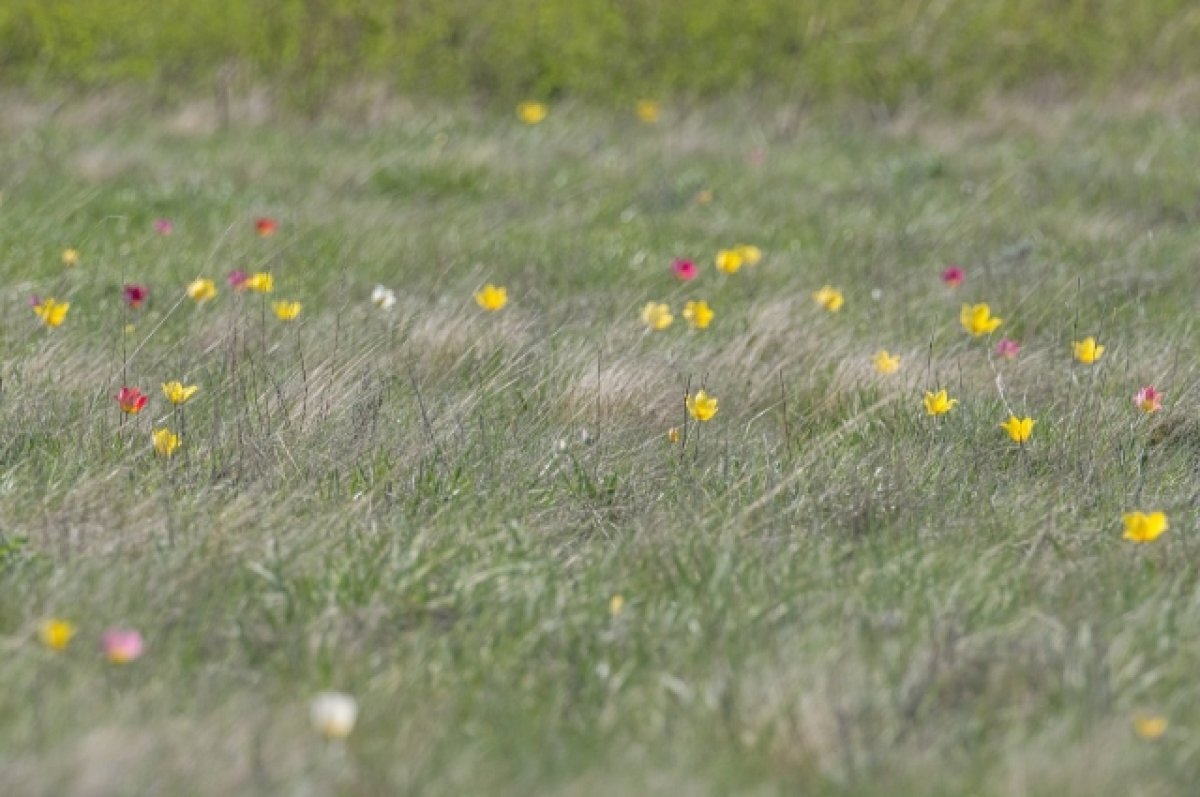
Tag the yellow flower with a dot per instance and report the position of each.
(978, 319)
(1019, 429)
(176, 393)
(201, 290)
(939, 403)
(698, 314)
(616, 605)
(1143, 527)
(262, 282)
(1087, 351)
(701, 406)
(56, 634)
(286, 311)
(51, 312)
(704, 196)
(165, 442)
(648, 111)
(1149, 726)
(886, 363)
(492, 297)
(532, 112)
(657, 315)
(730, 260)
(70, 257)
(750, 254)
(830, 298)
(673, 434)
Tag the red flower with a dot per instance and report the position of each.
(684, 269)
(266, 227)
(237, 278)
(131, 400)
(135, 294)
(953, 276)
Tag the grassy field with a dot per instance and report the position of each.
(822, 590)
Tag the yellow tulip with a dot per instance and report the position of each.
(201, 290)
(830, 298)
(978, 319)
(750, 254)
(698, 314)
(286, 311)
(730, 260)
(1019, 429)
(531, 113)
(702, 406)
(939, 403)
(70, 257)
(176, 393)
(56, 634)
(165, 442)
(1088, 351)
(648, 111)
(657, 315)
(886, 363)
(51, 312)
(1144, 527)
(1149, 726)
(262, 282)
(492, 297)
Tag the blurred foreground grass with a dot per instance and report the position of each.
(432, 508)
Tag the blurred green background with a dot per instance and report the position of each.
(950, 52)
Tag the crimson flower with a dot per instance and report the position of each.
(135, 294)
(684, 269)
(131, 400)
(266, 227)
(953, 276)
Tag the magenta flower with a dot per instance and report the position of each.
(121, 645)
(953, 276)
(684, 269)
(135, 294)
(1148, 399)
(1008, 349)
(163, 226)
(237, 278)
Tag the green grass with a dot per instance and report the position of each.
(826, 592)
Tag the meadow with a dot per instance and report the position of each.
(502, 529)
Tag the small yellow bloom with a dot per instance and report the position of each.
(286, 311)
(978, 319)
(648, 111)
(750, 254)
(886, 363)
(177, 394)
(201, 290)
(56, 634)
(730, 260)
(830, 298)
(1088, 351)
(492, 297)
(532, 112)
(702, 406)
(262, 282)
(704, 197)
(70, 257)
(130, 329)
(1149, 726)
(657, 315)
(51, 312)
(1019, 429)
(165, 442)
(1143, 527)
(616, 605)
(698, 314)
(939, 403)
(673, 434)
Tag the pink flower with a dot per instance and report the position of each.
(121, 645)
(1148, 399)
(1008, 349)
(953, 276)
(237, 278)
(163, 226)
(135, 294)
(684, 269)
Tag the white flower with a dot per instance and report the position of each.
(333, 714)
(384, 298)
